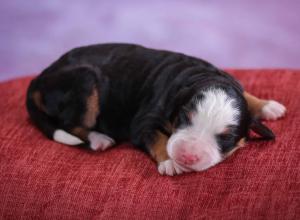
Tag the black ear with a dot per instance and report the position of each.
(259, 128)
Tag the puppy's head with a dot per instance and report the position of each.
(213, 124)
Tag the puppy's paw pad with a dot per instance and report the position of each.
(273, 110)
(169, 168)
(100, 141)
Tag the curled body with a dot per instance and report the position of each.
(184, 112)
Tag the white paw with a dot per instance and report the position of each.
(100, 141)
(273, 110)
(64, 137)
(171, 168)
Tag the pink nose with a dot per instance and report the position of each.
(184, 152)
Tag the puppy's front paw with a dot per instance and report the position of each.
(273, 110)
(170, 168)
(100, 141)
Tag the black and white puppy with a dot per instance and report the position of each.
(186, 113)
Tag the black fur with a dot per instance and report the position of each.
(141, 91)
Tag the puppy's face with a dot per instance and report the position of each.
(209, 127)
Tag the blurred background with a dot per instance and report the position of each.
(228, 33)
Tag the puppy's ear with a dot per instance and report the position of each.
(263, 131)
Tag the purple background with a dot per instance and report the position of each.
(228, 33)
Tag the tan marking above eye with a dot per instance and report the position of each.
(92, 109)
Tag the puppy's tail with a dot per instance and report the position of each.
(38, 114)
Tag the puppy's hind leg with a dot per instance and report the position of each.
(264, 109)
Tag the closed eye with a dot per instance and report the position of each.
(227, 138)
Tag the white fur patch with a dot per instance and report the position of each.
(273, 110)
(214, 113)
(64, 137)
(100, 141)
(171, 168)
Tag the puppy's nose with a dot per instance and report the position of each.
(185, 152)
(188, 159)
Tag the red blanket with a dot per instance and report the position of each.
(43, 179)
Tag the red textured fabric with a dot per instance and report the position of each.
(41, 179)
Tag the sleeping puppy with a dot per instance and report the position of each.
(184, 112)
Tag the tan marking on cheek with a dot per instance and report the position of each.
(37, 99)
(93, 109)
(80, 132)
(239, 145)
(255, 104)
(159, 148)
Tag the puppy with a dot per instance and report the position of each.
(184, 112)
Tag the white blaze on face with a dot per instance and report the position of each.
(195, 146)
